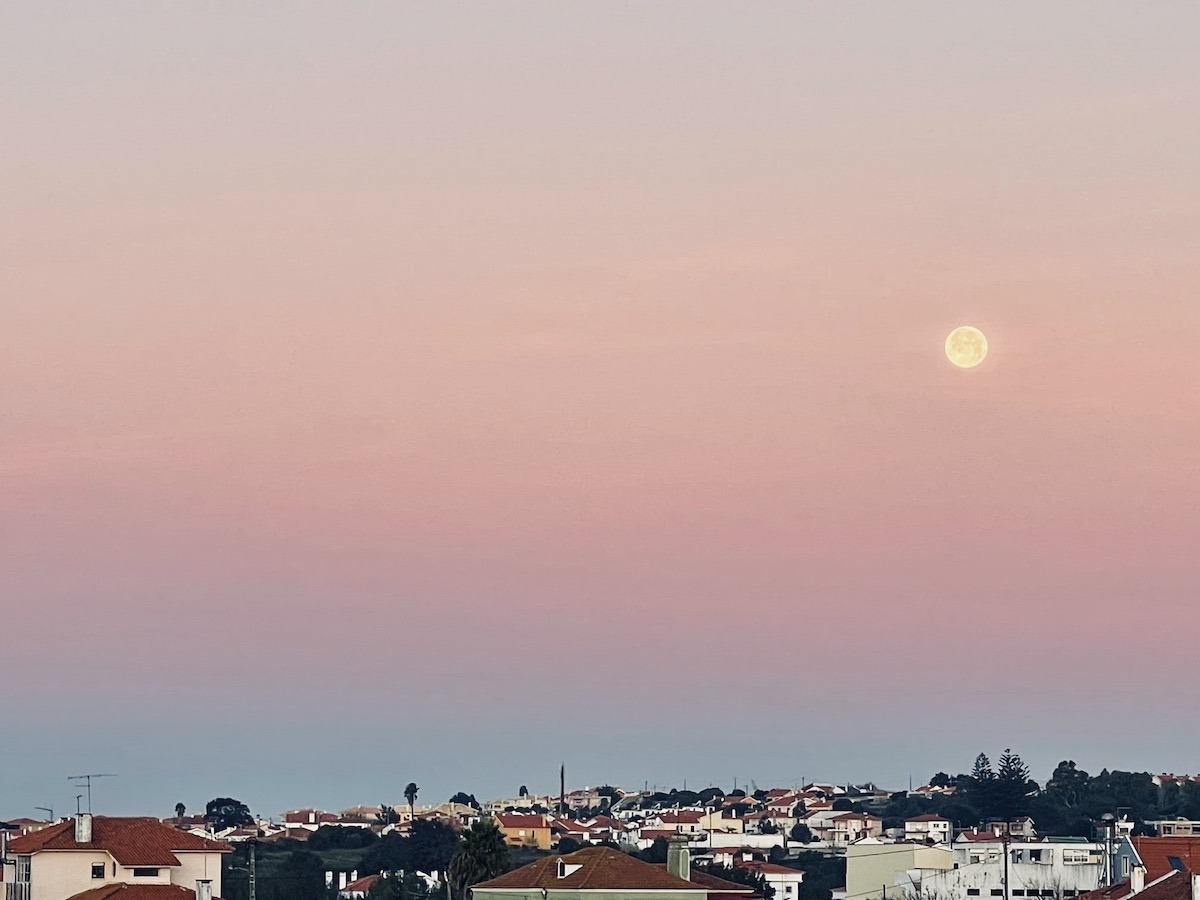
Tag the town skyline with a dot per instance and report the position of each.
(447, 391)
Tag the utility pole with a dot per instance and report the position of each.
(253, 849)
(48, 810)
(1007, 838)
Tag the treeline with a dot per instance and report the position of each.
(1069, 804)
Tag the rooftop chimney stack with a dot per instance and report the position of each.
(204, 889)
(83, 828)
(679, 858)
(1137, 879)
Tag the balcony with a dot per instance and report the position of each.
(16, 890)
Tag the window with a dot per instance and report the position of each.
(972, 892)
(1019, 892)
(23, 869)
(1125, 866)
(1075, 857)
(145, 873)
(97, 870)
(996, 892)
(1035, 856)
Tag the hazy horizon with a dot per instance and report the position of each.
(405, 391)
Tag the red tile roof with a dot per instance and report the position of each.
(363, 884)
(928, 817)
(1156, 852)
(123, 891)
(130, 841)
(521, 820)
(1173, 886)
(600, 869)
(715, 885)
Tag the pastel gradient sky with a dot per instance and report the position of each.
(441, 391)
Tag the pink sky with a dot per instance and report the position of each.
(503, 376)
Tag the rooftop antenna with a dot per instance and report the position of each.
(87, 779)
(78, 797)
(48, 810)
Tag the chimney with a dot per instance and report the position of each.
(679, 858)
(83, 828)
(1137, 879)
(204, 889)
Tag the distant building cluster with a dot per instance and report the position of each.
(588, 844)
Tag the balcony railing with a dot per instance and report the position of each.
(16, 890)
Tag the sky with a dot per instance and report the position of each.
(443, 392)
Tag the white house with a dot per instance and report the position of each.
(927, 829)
(1052, 867)
(88, 853)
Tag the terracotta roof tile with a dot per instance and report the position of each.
(1156, 853)
(130, 841)
(600, 868)
(124, 891)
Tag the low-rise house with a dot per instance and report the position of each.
(106, 853)
(604, 873)
(927, 829)
(359, 888)
(525, 830)
(1050, 867)
(876, 867)
(849, 827)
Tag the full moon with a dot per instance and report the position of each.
(966, 347)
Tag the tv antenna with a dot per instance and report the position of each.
(48, 810)
(78, 797)
(87, 779)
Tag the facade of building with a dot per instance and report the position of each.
(875, 868)
(1049, 868)
(525, 830)
(89, 853)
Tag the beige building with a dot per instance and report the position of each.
(525, 830)
(875, 868)
(89, 853)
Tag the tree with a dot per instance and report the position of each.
(981, 792)
(225, 812)
(387, 815)
(335, 837)
(465, 799)
(432, 845)
(386, 889)
(390, 854)
(1068, 784)
(656, 853)
(1011, 786)
(742, 876)
(481, 855)
(766, 826)
(843, 804)
(523, 792)
(802, 833)
(180, 810)
(940, 780)
(568, 845)
(410, 794)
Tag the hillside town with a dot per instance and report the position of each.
(816, 841)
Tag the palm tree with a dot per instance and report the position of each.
(482, 854)
(410, 794)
